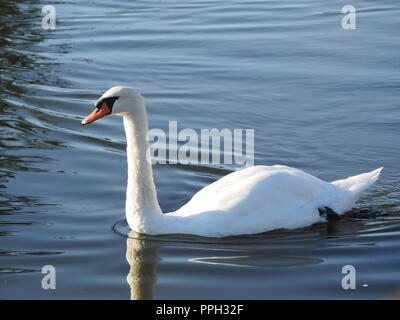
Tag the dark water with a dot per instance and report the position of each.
(319, 98)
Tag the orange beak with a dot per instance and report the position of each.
(97, 114)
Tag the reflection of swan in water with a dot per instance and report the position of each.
(277, 250)
(142, 256)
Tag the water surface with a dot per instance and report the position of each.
(320, 98)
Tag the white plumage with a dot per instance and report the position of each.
(249, 201)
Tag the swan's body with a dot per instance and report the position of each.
(249, 201)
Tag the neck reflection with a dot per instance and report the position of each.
(143, 258)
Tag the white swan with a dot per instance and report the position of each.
(249, 201)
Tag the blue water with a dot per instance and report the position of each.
(319, 98)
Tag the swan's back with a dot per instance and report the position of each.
(254, 188)
(253, 200)
(261, 198)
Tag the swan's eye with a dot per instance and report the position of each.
(108, 101)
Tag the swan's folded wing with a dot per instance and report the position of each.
(264, 190)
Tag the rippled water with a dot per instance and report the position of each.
(319, 98)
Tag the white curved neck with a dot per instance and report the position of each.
(142, 208)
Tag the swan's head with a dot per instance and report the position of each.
(117, 100)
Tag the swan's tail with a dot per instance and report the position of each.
(360, 183)
(352, 188)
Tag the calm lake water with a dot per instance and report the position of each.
(319, 98)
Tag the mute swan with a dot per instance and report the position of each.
(249, 201)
